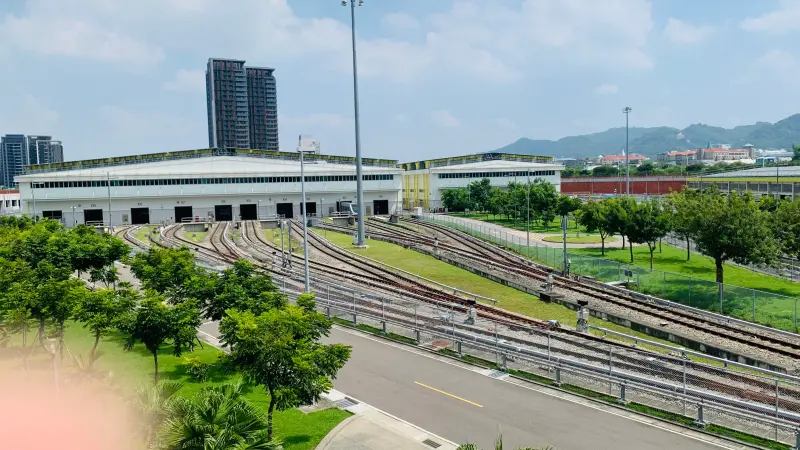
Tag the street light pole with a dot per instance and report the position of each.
(305, 222)
(359, 185)
(528, 225)
(110, 221)
(627, 112)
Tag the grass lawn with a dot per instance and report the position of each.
(299, 431)
(519, 224)
(195, 236)
(578, 239)
(274, 236)
(141, 233)
(508, 298)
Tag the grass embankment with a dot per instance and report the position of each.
(578, 239)
(142, 233)
(195, 236)
(274, 236)
(692, 283)
(508, 298)
(519, 224)
(299, 431)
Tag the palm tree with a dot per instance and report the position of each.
(154, 405)
(217, 418)
(498, 445)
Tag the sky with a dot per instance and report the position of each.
(436, 77)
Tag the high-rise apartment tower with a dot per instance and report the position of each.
(242, 105)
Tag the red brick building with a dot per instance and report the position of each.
(640, 185)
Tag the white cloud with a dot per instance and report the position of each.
(127, 126)
(505, 122)
(73, 37)
(28, 116)
(680, 32)
(785, 18)
(778, 60)
(186, 81)
(494, 43)
(443, 118)
(399, 21)
(606, 89)
(313, 120)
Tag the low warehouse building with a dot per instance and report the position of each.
(200, 185)
(424, 181)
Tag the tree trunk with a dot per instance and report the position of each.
(659, 245)
(94, 347)
(652, 249)
(688, 248)
(630, 246)
(718, 262)
(270, 412)
(623, 240)
(602, 246)
(155, 361)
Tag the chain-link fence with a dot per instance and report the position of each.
(766, 308)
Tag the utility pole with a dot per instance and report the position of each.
(359, 182)
(528, 226)
(305, 221)
(627, 112)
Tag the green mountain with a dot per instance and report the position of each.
(651, 141)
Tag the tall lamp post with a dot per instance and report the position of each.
(304, 205)
(359, 185)
(627, 112)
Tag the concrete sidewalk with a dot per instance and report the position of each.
(372, 429)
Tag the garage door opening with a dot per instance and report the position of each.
(285, 209)
(311, 206)
(381, 207)
(140, 216)
(249, 211)
(93, 216)
(223, 213)
(183, 212)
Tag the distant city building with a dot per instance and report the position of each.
(242, 105)
(13, 157)
(44, 150)
(613, 160)
(679, 157)
(724, 153)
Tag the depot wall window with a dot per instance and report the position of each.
(203, 181)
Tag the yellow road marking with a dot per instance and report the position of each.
(448, 394)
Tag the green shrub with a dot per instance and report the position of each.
(198, 370)
(226, 363)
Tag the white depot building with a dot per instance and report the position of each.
(424, 181)
(208, 184)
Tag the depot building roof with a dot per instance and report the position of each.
(209, 166)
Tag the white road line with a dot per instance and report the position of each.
(564, 396)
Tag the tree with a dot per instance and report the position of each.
(786, 227)
(544, 201)
(57, 300)
(101, 310)
(795, 152)
(500, 201)
(242, 287)
(89, 250)
(280, 350)
(648, 224)
(166, 271)
(480, 192)
(731, 227)
(595, 217)
(154, 405)
(455, 199)
(617, 212)
(217, 418)
(566, 205)
(684, 208)
(154, 322)
(646, 167)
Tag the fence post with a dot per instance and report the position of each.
(777, 405)
(548, 345)
(664, 291)
(795, 316)
(754, 306)
(622, 400)
(557, 381)
(720, 298)
(700, 421)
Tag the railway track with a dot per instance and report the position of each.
(517, 265)
(250, 235)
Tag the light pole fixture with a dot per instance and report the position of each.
(359, 181)
(304, 205)
(627, 112)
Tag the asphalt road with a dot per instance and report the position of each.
(464, 406)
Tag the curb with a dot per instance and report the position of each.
(334, 432)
